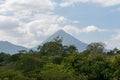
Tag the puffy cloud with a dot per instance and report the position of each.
(28, 22)
(62, 19)
(40, 22)
(92, 29)
(49, 18)
(87, 29)
(44, 25)
(8, 29)
(72, 29)
(37, 5)
(31, 33)
(26, 8)
(8, 23)
(39, 28)
(67, 3)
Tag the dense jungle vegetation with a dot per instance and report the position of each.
(54, 61)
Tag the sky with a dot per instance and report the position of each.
(29, 22)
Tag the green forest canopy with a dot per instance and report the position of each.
(54, 61)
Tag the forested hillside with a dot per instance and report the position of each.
(53, 61)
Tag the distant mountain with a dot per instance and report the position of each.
(67, 39)
(8, 47)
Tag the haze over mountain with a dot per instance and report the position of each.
(67, 39)
(8, 47)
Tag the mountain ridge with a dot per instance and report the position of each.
(67, 39)
(10, 48)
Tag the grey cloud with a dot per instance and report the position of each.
(8, 23)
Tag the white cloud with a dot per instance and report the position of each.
(92, 29)
(34, 32)
(45, 25)
(41, 22)
(106, 3)
(72, 29)
(114, 41)
(62, 19)
(76, 22)
(39, 28)
(28, 22)
(26, 8)
(87, 29)
(7, 23)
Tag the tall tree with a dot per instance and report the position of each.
(96, 47)
(52, 48)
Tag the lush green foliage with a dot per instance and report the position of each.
(53, 61)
